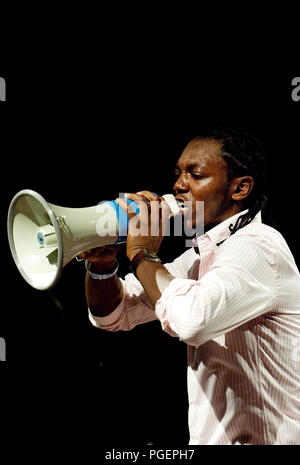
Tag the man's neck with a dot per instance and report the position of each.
(234, 210)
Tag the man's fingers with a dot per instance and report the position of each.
(139, 198)
(151, 207)
(149, 195)
(129, 210)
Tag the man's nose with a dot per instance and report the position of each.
(182, 183)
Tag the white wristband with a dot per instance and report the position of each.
(101, 276)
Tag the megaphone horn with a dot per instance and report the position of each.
(43, 237)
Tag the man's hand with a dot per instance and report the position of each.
(148, 227)
(103, 258)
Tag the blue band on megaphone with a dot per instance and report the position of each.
(122, 217)
(134, 205)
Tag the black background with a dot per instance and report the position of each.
(83, 128)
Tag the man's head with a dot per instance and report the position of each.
(225, 169)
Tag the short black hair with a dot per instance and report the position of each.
(244, 155)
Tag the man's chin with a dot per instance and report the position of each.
(193, 228)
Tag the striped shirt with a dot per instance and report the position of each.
(237, 307)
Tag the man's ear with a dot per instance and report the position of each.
(242, 187)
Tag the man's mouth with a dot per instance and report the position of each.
(183, 204)
(180, 203)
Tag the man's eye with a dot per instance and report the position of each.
(197, 176)
(194, 175)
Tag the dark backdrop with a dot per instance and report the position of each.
(78, 135)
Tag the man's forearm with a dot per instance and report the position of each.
(103, 296)
(154, 278)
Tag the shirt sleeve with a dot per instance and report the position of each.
(239, 286)
(135, 307)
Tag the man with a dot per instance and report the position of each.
(233, 298)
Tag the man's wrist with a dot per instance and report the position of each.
(102, 267)
(103, 275)
(144, 254)
(132, 254)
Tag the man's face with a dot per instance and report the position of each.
(202, 176)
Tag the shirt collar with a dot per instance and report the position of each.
(221, 231)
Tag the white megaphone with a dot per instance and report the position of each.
(43, 237)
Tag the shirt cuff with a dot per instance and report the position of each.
(108, 322)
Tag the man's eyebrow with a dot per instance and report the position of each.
(191, 166)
